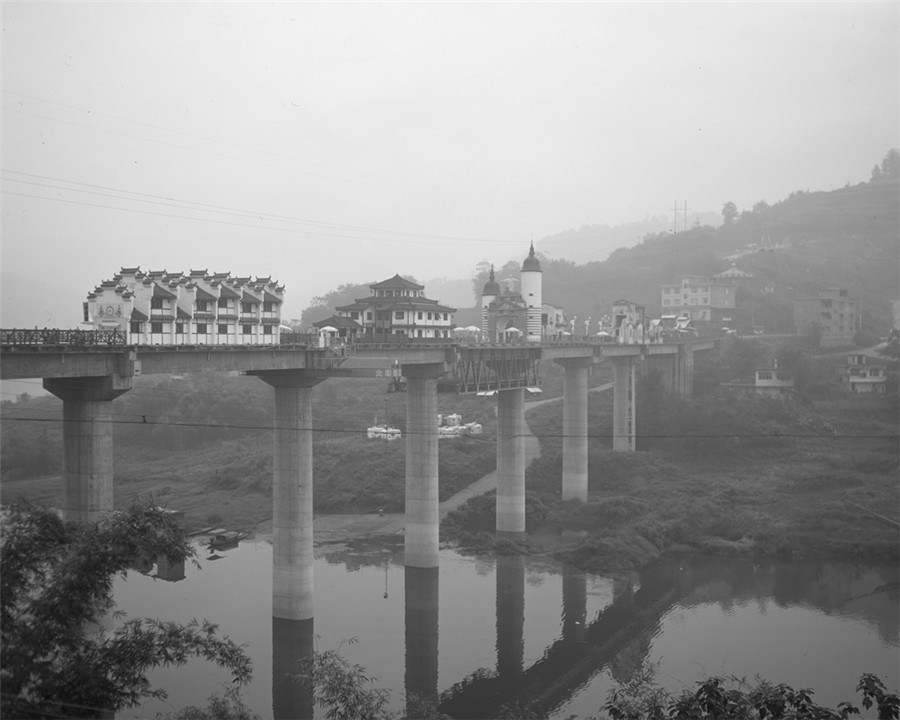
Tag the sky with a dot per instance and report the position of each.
(331, 143)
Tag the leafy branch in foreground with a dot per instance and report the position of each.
(56, 586)
(734, 699)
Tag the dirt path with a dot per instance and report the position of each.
(337, 528)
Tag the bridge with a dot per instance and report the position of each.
(87, 374)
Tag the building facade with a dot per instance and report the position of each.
(398, 306)
(701, 298)
(156, 307)
(834, 312)
(864, 374)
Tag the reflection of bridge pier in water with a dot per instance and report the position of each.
(292, 643)
(574, 597)
(421, 635)
(510, 619)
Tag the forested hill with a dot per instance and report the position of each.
(848, 237)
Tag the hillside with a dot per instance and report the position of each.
(849, 237)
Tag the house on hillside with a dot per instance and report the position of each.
(865, 374)
(702, 298)
(767, 382)
(835, 313)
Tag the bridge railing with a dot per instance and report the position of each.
(53, 336)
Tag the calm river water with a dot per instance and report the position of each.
(483, 631)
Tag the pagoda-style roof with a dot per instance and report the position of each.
(229, 292)
(205, 295)
(396, 283)
(338, 322)
(138, 316)
(396, 303)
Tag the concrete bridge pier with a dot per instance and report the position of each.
(292, 494)
(575, 426)
(422, 516)
(684, 371)
(87, 442)
(511, 462)
(624, 372)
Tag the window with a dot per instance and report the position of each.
(202, 305)
(398, 315)
(136, 327)
(247, 308)
(201, 328)
(354, 315)
(156, 327)
(268, 306)
(429, 316)
(246, 329)
(156, 303)
(419, 315)
(369, 315)
(223, 302)
(764, 375)
(267, 329)
(223, 329)
(179, 328)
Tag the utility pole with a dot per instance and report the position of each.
(685, 215)
(675, 219)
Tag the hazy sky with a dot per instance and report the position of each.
(324, 143)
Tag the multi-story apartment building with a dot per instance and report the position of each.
(835, 312)
(398, 306)
(865, 374)
(201, 308)
(701, 298)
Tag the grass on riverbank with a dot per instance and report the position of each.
(765, 479)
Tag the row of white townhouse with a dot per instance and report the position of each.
(157, 307)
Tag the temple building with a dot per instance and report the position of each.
(398, 306)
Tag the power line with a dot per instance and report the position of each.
(224, 209)
(344, 430)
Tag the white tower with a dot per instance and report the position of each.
(531, 293)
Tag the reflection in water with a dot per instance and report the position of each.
(510, 620)
(574, 597)
(421, 621)
(701, 616)
(292, 642)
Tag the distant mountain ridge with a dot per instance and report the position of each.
(595, 242)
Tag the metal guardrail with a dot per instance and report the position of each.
(51, 336)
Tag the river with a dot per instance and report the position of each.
(482, 631)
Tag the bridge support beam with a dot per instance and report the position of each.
(422, 516)
(684, 370)
(292, 494)
(575, 426)
(511, 461)
(87, 442)
(624, 368)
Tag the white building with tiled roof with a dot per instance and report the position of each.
(398, 306)
(156, 307)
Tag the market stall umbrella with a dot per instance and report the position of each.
(472, 328)
(513, 330)
(328, 328)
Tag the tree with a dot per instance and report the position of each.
(890, 166)
(729, 213)
(55, 658)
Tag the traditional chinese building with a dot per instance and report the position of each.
(156, 307)
(398, 306)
